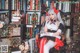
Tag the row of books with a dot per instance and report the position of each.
(32, 19)
(76, 21)
(33, 4)
(75, 7)
(17, 4)
(3, 4)
(66, 6)
(76, 27)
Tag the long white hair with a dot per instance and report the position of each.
(51, 11)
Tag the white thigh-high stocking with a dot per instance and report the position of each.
(48, 46)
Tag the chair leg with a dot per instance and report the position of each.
(31, 44)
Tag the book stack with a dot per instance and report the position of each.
(17, 4)
(3, 4)
(33, 5)
(16, 17)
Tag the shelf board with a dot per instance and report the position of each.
(8, 37)
(30, 25)
(33, 10)
(4, 11)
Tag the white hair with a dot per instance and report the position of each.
(51, 11)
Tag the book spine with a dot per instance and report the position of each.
(6, 4)
(33, 4)
(26, 18)
(0, 4)
(30, 4)
(37, 3)
(3, 4)
(21, 4)
(31, 32)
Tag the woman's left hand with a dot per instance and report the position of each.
(56, 33)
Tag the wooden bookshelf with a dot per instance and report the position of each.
(32, 15)
(4, 4)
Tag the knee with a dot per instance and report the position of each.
(46, 47)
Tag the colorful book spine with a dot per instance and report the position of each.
(30, 4)
(37, 4)
(31, 32)
(13, 4)
(21, 4)
(33, 4)
(29, 18)
(0, 4)
(6, 4)
(79, 6)
(3, 4)
(26, 18)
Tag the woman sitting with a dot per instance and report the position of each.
(50, 37)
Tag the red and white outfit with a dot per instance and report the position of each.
(57, 13)
(47, 42)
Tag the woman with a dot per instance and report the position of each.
(51, 36)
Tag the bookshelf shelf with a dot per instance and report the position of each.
(33, 11)
(1, 12)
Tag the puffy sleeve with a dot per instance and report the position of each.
(61, 28)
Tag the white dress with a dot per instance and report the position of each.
(51, 27)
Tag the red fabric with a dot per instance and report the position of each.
(42, 43)
(59, 44)
(38, 42)
(55, 10)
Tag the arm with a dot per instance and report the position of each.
(60, 29)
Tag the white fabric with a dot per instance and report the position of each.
(59, 31)
(48, 46)
(49, 34)
(51, 27)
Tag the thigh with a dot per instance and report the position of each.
(50, 44)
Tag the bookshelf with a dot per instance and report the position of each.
(4, 17)
(75, 20)
(4, 4)
(33, 11)
(4, 20)
(28, 8)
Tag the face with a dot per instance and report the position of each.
(51, 16)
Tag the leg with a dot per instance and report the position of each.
(48, 46)
(42, 43)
